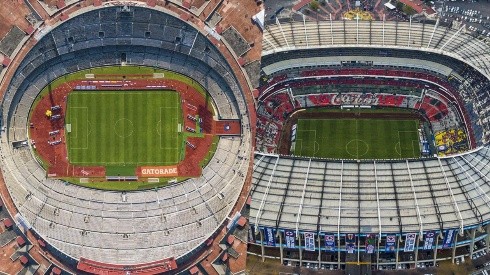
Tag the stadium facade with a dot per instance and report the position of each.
(383, 214)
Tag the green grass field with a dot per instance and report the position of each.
(120, 129)
(357, 138)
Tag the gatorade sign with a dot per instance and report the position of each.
(157, 171)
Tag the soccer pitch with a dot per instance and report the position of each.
(357, 138)
(117, 128)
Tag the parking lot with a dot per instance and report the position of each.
(475, 15)
(326, 9)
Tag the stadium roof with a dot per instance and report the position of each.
(377, 34)
(371, 196)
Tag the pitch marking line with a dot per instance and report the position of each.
(299, 144)
(174, 137)
(74, 134)
(123, 134)
(413, 147)
(120, 92)
(314, 141)
(400, 143)
(317, 147)
(357, 141)
(76, 127)
(398, 148)
(123, 163)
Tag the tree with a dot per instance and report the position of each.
(399, 6)
(409, 10)
(314, 5)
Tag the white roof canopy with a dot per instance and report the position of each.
(259, 18)
(390, 6)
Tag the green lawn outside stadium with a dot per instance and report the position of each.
(124, 128)
(357, 138)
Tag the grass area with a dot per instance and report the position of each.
(116, 185)
(40, 160)
(125, 131)
(118, 72)
(210, 153)
(124, 128)
(120, 170)
(357, 138)
(256, 266)
(123, 185)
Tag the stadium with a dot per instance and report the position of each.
(133, 142)
(126, 142)
(340, 180)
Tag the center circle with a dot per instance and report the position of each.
(357, 148)
(123, 127)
